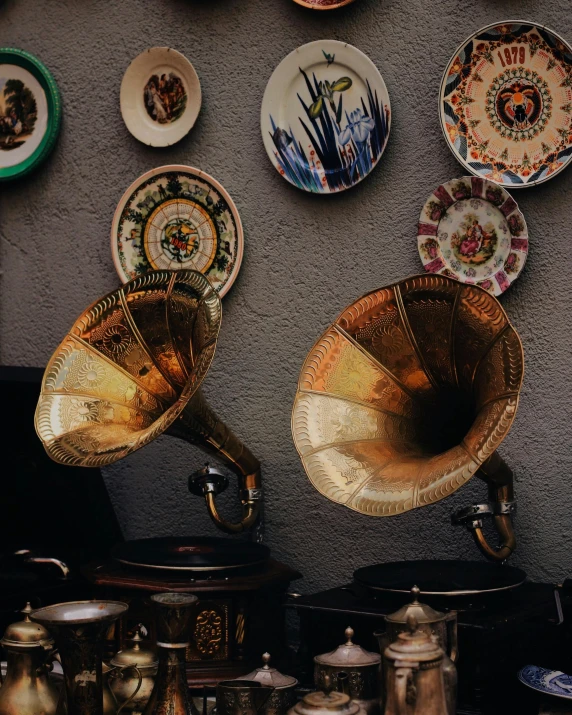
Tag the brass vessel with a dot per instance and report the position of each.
(414, 675)
(283, 696)
(130, 661)
(130, 369)
(327, 702)
(242, 697)
(173, 614)
(79, 628)
(406, 396)
(442, 627)
(111, 704)
(27, 688)
(359, 670)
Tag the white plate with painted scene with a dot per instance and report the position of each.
(472, 230)
(160, 96)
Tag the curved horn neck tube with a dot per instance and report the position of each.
(198, 424)
(499, 478)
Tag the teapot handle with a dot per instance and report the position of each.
(451, 621)
(134, 693)
(403, 677)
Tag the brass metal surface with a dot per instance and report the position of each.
(414, 679)
(283, 696)
(407, 395)
(353, 670)
(130, 369)
(79, 628)
(173, 615)
(132, 662)
(27, 688)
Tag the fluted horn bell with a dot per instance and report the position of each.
(406, 396)
(130, 369)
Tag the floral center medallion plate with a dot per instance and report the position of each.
(472, 230)
(550, 682)
(30, 113)
(506, 103)
(177, 217)
(325, 116)
(160, 96)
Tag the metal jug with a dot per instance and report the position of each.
(110, 704)
(133, 661)
(27, 688)
(414, 679)
(242, 697)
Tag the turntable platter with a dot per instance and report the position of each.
(191, 553)
(440, 578)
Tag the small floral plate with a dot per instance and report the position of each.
(177, 217)
(505, 103)
(160, 96)
(30, 113)
(323, 4)
(550, 682)
(325, 117)
(472, 230)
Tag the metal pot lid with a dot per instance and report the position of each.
(26, 634)
(136, 655)
(191, 553)
(270, 676)
(329, 701)
(420, 611)
(348, 654)
(441, 577)
(413, 644)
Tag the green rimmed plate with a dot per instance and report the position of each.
(30, 113)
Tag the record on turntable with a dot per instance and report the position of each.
(191, 554)
(447, 577)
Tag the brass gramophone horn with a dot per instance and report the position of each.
(130, 369)
(406, 396)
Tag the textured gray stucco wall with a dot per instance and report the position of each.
(306, 257)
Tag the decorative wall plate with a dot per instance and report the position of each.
(177, 217)
(472, 230)
(160, 96)
(323, 4)
(550, 682)
(505, 103)
(325, 116)
(30, 113)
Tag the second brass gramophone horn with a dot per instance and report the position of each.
(130, 369)
(406, 396)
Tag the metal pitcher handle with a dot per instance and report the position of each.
(451, 620)
(134, 693)
(403, 677)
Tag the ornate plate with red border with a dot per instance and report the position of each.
(177, 217)
(505, 103)
(323, 4)
(472, 230)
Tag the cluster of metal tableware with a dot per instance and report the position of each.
(137, 680)
(350, 680)
(415, 674)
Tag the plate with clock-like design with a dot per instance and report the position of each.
(30, 113)
(505, 103)
(472, 230)
(177, 217)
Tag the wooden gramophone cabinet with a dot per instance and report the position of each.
(239, 616)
